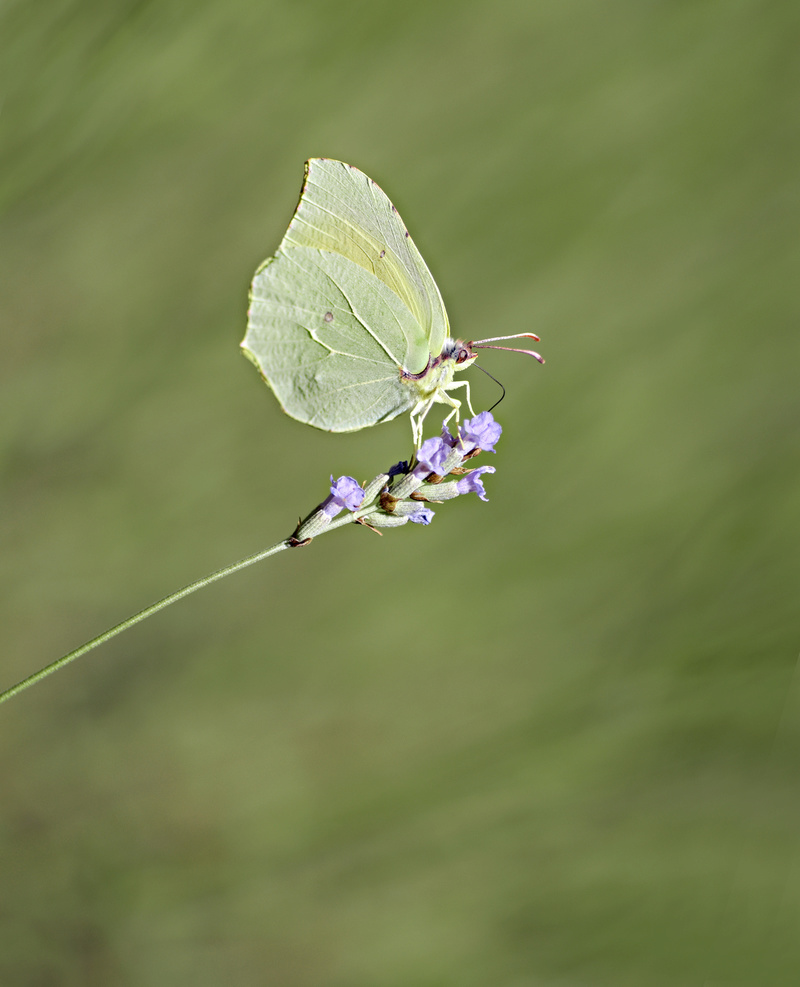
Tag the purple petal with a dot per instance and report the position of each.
(423, 516)
(432, 455)
(472, 483)
(448, 439)
(330, 507)
(480, 432)
(347, 493)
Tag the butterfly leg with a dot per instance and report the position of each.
(420, 412)
(416, 430)
(454, 404)
(462, 383)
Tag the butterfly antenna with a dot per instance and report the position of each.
(482, 344)
(496, 382)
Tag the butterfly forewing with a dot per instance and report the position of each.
(343, 211)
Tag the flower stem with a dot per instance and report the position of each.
(316, 523)
(143, 615)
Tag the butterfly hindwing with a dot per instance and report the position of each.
(329, 338)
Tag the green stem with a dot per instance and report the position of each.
(137, 617)
(142, 615)
(315, 529)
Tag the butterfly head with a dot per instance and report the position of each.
(459, 352)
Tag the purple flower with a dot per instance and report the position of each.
(448, 439)
(422, 516)
(345, 492)
(472, 482)
(431, 457)
(480, 432)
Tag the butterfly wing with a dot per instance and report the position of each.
(312, 334)
(346, 301)
(345, 212)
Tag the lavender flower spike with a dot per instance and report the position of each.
(480, 432)
(345, 492)
(472, 482)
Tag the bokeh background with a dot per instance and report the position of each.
(549, 741)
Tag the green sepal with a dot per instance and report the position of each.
(435, 493)
(403, 508)
(378, 520)
(374, 487)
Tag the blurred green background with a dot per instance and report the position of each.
(549, 741)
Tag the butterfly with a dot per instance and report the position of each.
(346, 323)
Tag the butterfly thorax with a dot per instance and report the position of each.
(438, 375)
